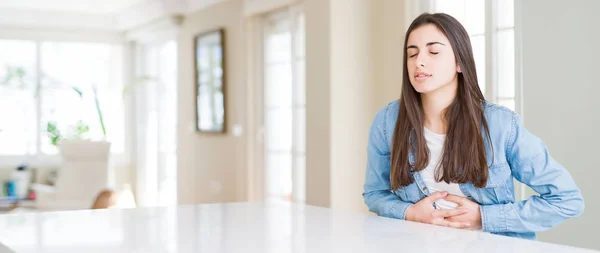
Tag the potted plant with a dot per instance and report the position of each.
(17, 77)
(77, 147)
(84, 171)
(76, 138)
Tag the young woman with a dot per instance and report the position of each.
(443, 155)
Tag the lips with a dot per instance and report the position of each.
(419, 76)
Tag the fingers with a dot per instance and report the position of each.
(455, 224)
(449, 213)
(437, 195)
(456, 199)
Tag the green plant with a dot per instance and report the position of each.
(97, 104)
(15, 76)
(100, 117)
(80, 130)
(53, 133)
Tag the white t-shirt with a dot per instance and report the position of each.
(435, 143)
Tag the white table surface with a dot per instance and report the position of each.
(243, 227)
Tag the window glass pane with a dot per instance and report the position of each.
(506, 13)
(168, 97)
(278, 48)
(506, 63)
(299, 36)
(167, 123)
(299, 178)
(300, 129)
(475, 16)
(74, 76)
(278, 85)
(508, 102)
(17, 97)
(279, 175)
(157, 118)
(478, 45)
(279, 129)
(300, 83)
(455, 8)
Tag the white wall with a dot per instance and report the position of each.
(560, 99)
(352, 93)
(348, 43)
(354, 58)
(318, 106)
(212, 167)
(388, 30)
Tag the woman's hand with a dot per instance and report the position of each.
(424, 212)
(472, 216)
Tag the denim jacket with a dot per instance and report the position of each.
(517, 154)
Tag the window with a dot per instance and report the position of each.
(284, 105)
(45, 82)
(88, 68)
(18, 77)
(490, 24)
(156, 123)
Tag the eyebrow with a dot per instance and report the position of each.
(428, 44)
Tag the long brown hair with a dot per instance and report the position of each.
(464, 155)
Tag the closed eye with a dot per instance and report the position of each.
(434, 53)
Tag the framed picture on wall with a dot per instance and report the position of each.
(209, 48)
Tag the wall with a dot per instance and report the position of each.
(388, 31)
(353, 58)
(212, 167)
(318, 123)
(352, 95)
(560, 105)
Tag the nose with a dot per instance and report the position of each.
(420, 62)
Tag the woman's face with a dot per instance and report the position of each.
(430, 60)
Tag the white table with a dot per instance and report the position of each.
(243, 227)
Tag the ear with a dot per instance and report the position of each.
(458, 69)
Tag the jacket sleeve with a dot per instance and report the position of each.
(530, 162)
(377, 190)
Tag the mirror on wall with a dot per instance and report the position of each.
(209, 50)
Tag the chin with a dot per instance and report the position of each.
(425, 88)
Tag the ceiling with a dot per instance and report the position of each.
(75, 6)
(90, 15)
